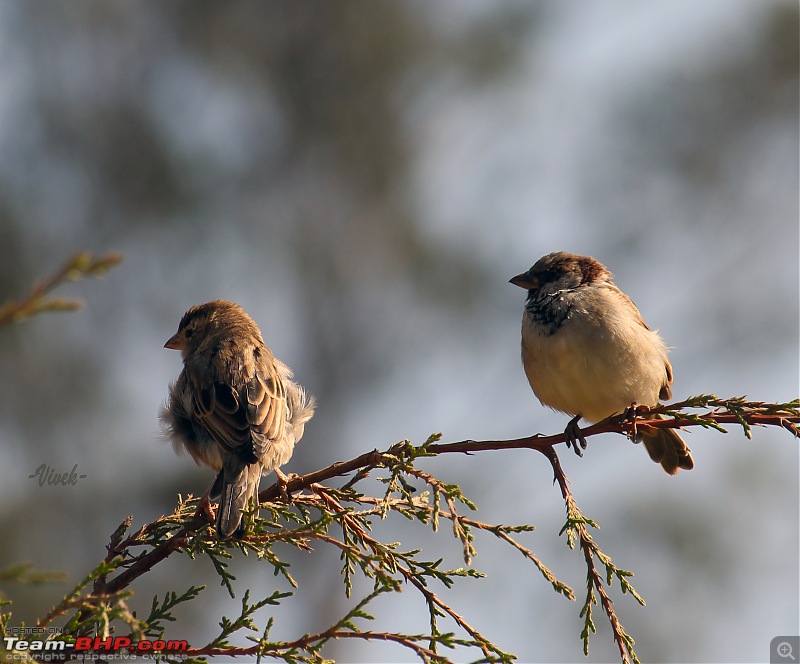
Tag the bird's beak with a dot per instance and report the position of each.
(174, 342)
(525, 280)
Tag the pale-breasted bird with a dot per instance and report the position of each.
(587, 351)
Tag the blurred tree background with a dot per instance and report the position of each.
(364, 178)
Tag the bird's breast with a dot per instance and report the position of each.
(592, 366)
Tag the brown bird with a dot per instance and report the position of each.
(234, 407)
(587, 351)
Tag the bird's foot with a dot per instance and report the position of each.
(630, 414)
(283, 483)
(204, 508)
(575, 437)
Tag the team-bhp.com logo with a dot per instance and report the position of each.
(86, 644)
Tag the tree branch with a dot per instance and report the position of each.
(78, 267)
(188, 529)
(576, 523)
(752, 413)
(734, 411)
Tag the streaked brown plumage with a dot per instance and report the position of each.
(587, 351)
(234, 407)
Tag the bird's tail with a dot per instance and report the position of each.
(236, 483)
(666, 447)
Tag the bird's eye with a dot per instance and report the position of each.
(189, 332)
(546, 276)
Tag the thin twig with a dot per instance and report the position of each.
(79, 266)
(310, 639)
(594, 579)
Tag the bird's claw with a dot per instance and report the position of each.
(575, 437)
(204, 508)
(630, 414)
(283, 483)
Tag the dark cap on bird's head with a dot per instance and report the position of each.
(553, 267)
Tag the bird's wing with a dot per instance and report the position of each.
(633, 309)
(666, 389)
(266, 408)
(244, 421)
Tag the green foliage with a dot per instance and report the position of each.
(160, 612)
(739, 409)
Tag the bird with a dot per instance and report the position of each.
(234, 406)
(588, 353)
